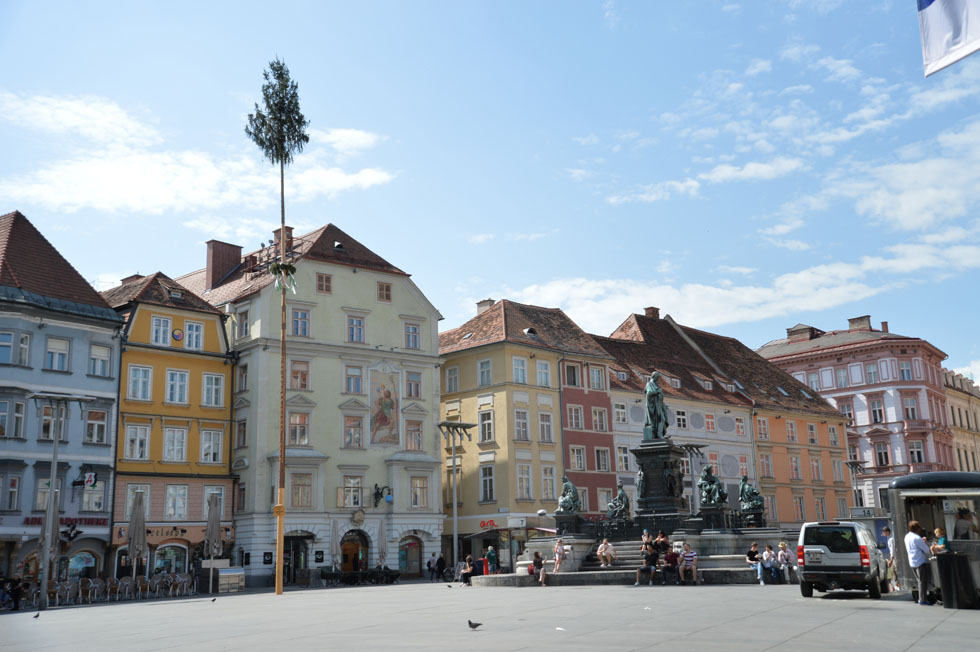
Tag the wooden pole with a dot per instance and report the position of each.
(281, 505)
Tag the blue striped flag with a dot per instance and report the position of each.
(950, 31)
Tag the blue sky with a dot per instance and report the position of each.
(742, 165)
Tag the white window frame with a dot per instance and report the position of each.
(548, 483)
(213, 489)
(524, 489)
(795, 468)
(243, 326)
(484, 420)
(160, 330)
(142, 385)
(602, 460)
(739, 426)
(833, 436)
(90, 424)
(353, 382)
(353, 435)
(194, 340)
(877, 414)
(41, 504)
(910, 407)
(619, 412)
(419, 488)
(543, 369)
(545, 427)
(792, 436)
(53, 356)
(905, 370)
(812, 436)
(622, 458)
(575, 417)
(917, 452)
(519, 369)
(210, 452)
(414, 435)
(413, 384)
(131, 490)
(302, 437)
(521, 428)
(300, 321)
(577, 374)
(882, 451)
(137, 435)
(597, 378)
(213, 390)
(356, 325)
(709, 422)
(488, 492)
(175, 505)
(96, 493)
(48, 420)
(600, 419)
(680, 419)
(452, 380)
(174, 444)
(177, 389)
(576, 457)
(99, 363)
(242, 377)
(762, 428)
(413, 336)
(10, 498)
(484, 372)
(765, 465)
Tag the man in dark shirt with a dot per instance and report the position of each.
(649, 564)
(671, 561)
(752, 558)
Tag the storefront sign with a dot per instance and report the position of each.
(488, 524)
(318, 556)
(36, 520)
(267, 558)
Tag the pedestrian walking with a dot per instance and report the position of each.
(491, 561)
(918, 551)
(440, 566)
(17, 593)
(431, 567)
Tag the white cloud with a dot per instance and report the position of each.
(971, 370)
(731, 7)
(96, 119)
(840, 69)
(792, 245)
(241, 230)
(591, 139)
(735, 269)
(754, 171)
(598, 305)
(529, 236)
(578, 174)
(798, 89)
(346, 142)
(609, 13)
(657, 192)
(798, 51)
(788, 226)
(480, 238)
(758, 66)
(129, 170)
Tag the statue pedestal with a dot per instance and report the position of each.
(663, 481)
(715, 517)
(754, 518)
(568, 523)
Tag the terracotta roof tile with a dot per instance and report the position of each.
(518, 323)
(327, 244)
(832, 340)
(33, 271)
(158, 289)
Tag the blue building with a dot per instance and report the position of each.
(59, 375)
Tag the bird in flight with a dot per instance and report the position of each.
(473, 625)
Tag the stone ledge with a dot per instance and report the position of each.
(625, 576)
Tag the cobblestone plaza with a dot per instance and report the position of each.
(432, 616)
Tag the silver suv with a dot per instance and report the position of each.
(840, 555)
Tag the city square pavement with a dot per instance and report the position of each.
(432, 616)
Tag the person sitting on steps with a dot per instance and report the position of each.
(537, 563)
(669, 567)
(689, 562)
(649, 567)
(606, 554)
(467, 571)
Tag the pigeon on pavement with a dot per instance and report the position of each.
(213, 599)
(37, 615)
(473, 625)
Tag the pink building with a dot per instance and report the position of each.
(891, 388)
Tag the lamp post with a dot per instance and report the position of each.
(856, 467)
(452, 430)
(60, 404)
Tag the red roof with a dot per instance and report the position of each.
(327, 244)
(158, 289)
(34, 272)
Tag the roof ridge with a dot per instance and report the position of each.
(146, 282)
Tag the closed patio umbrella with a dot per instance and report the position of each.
(136, 536)
(382, 542)
(212, 534)
(335, 543)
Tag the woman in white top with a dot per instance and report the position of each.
(785, 561)
(559, 554)
(769, 561)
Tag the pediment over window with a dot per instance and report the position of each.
(239, 464)
(353, 404)
(242, 403)
(414, 408)
(300, 401)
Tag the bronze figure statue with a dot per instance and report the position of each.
(713, 492)
(655, 424)
(641, 483)
(568, 501)
(619, 508)
(748, 496)
(673, 479)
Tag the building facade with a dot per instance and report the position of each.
(889, 388)
(363, 451)
(963, 399)
(59, 363)
(796, 436)
(701, 410)
(174, 429)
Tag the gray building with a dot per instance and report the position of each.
(59, 359)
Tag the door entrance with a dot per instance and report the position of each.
(410, 557)
(295, 551)
(353, 551)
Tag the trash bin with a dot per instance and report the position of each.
(956, 581)
(481, 568)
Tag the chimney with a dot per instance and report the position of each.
(130, 279)
(884, 327)
(652, 312)
(800, 333)
(481, 306)
(289, 238)
(862, 323)
(222, 258)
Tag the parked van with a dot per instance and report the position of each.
(840, 555)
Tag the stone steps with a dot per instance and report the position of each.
(623, 576)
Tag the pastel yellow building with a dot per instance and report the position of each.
(174, 419)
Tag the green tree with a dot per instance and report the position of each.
(280, 130)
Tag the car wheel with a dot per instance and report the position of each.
(885, 588)
(806, 589)
(874, 589)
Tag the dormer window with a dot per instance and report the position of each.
(530, 332)
(622, 375)
(468, 336)
(675, 383)
(782, 391)
(707, 384)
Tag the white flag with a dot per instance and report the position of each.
(950, 31)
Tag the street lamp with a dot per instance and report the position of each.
(452, 430)
(856, 467)
(60, 404)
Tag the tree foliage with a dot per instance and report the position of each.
(280, 128)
